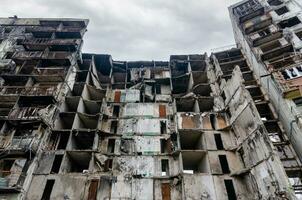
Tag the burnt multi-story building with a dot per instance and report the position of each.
(75, 125)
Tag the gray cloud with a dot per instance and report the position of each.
(139, 29)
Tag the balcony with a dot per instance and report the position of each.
(257, 23)
(266, 35)
(11, 91)
(248, 10)
(11, 175)
(274, 48)
(29, 55)
(53, 44)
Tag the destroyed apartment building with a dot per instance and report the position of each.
(223, 126)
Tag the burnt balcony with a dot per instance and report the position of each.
(274, 48)
(28, 107)
(248, 10)
(29, 55)
(25, 113)
(53, 44)
(63, 29)
(47, 90)
(257, 23)
(265, 35)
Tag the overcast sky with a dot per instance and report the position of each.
(139, 29)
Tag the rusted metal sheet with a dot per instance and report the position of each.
(162, 111)
(117, 96)
(190, 121)
(166, 191)
(207, 122)
(93, 189)
(221, 122)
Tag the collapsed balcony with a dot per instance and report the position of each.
(12, 174)
(19, 138)
(28, 107)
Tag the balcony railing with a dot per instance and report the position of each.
(29, 91)
(25, 113)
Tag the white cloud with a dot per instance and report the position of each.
(139, 29)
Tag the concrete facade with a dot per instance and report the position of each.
(75, 125)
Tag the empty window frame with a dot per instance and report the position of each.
(229, 186)
(111, 145)
(275, 2)
(56, 164)
(289, 22)
(218, 141)
(282, 10)
(163, 127)
(224, 164)
(113, 128)
(48, 189)
(158, 88)
(116, 111)
(63, 141)
(165, 167)
(298, 101)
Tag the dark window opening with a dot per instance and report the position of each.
(77, 162)
(289, 22)
(298, 101)
(213, 120)
(42, 34)
(218, 141)
(116, 111)
(56, 164)
(230, 189)
(111, 146)
(224, 164)
(163, 146)
(108, 165)
(165, 167)
(282, 10)
(82, 140)
(63, 141)
(163, 127)
(158, 89)
(9, 55)
(275, 2)
(48, 189)
(241, 153)
(113, 128)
